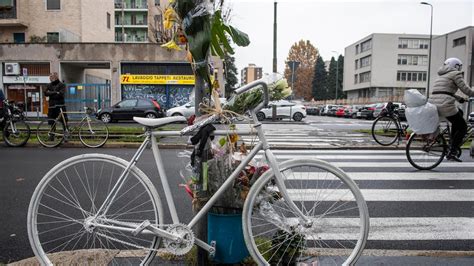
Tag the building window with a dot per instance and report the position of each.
(355, 78)
(415, 60)
(52, 37)
(356, 63)
(411, 76)
(413, 43)
(364, 77)
(357, 49)
(459, 41)
(365, 61)
(365, 46)
(53, 4)
(109, 17)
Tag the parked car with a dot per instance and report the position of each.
(333, 110)
(340, 112)
(351, 111)
(471, 117)
(381, 106)
(284, 109)
(367, 111)
(313, 110)
(186, 109)
(127, 109)
(325, 109)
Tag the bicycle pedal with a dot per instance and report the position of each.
(212, 252)
(141, 227)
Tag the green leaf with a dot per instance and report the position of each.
(215, 43)
(240, 38)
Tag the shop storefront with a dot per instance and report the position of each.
(170, 84)
(29, 91)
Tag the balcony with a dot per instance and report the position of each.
(141, 24)
(131, 39)
(125, 6)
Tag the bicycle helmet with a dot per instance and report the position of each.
(453, 63)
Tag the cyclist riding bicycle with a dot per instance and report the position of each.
(444, 96)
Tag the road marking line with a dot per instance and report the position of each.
(433, 195)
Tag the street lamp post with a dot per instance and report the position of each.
(293, 65)
(429, 56)
(337, 72)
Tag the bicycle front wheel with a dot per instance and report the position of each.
(93, 133)
(50, 133)
(385, 130)
(339, 217)
(425, 153)
(16, 133)
(63, 208)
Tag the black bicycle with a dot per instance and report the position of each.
(16, 132)
(387, 128)
(425, 152)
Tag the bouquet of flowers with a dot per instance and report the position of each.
(278, 89)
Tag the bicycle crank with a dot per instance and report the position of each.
(185, 241)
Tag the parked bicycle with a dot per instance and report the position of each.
(425, 152)
(92, 133)
(16, 132)
(304, 208)
(387, 128)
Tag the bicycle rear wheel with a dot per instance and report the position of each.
(274, 233)
(385, 130)
(93, 133)
(63, 206)
(16, 133)
(50, 133)
(425, 153)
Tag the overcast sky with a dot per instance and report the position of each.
(332, 25)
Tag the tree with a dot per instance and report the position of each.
(340, 93)
(230, 72)
(331, 80)
(306, 54)
(320, 80)
(336, 66)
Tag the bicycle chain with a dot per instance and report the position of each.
(135, 245)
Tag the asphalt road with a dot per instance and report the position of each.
(22, 169)
(385, 175)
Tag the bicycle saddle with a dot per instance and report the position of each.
(156, 122)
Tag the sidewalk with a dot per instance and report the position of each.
(370, 258)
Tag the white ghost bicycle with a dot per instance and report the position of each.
(300, 210)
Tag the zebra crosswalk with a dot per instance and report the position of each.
(409, 209)
(308, 138)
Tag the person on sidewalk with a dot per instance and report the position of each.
(444, 96)
(55, 91)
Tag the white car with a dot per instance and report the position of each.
(471, 117)
(186, 109)
(284, 109)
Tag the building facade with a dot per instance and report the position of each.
(34, 21)
(459, 44)
(382, 65)
(77, 39)
(250, 73)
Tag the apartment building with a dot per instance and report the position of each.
(382, 65)
(459, 44)
(140, 21)
(56, 21)
(250, 73)
(77, 39)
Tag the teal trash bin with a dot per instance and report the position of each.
(226, 231)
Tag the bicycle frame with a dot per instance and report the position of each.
(62, 119)
(151, 138)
